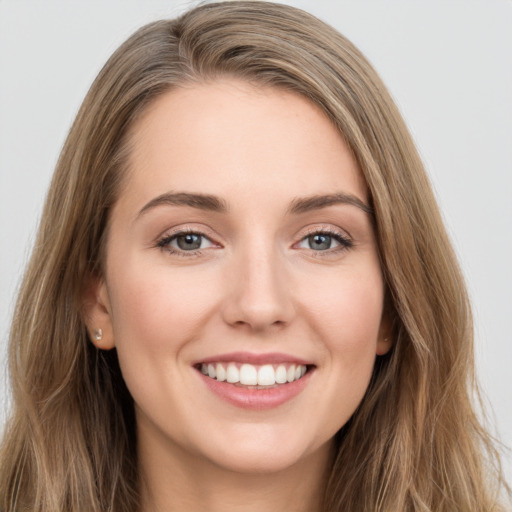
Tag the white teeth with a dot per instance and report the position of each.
(250, 375)
(281, 374)
(221, 373)
(266, 375)
(232, 374)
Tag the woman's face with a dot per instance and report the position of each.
(240, 247)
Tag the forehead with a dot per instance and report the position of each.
(232, 137)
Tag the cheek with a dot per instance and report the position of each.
(156, 312)
(347, 310)
(155, 308)
(345, 313)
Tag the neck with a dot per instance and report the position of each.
(176, 481)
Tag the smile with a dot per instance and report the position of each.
(254, 375)
(255, 381)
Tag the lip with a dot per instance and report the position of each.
(252, 358)
(256, 399)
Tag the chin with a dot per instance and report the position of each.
(259, 463)
(263, 453)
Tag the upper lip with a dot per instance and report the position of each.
(252, 358)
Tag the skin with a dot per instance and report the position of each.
(256, 285)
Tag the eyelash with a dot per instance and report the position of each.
(345, 242)
(164, 243)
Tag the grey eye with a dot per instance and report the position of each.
(185, 242)
(319, 242)
(189, 241)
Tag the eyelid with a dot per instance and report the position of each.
(185, 229)
(327, 229)
(169, 234)
(175, 238)
(343, 238)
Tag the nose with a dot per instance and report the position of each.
(259, 296)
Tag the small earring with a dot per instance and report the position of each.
(98, 334)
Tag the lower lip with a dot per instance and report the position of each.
(256, 399)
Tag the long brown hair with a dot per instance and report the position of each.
(414, 444)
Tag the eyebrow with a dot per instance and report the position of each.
(306, 204)
(200, 201)
(215, 204)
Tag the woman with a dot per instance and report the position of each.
(242, 295)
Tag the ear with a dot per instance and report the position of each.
(97, 314)
(385, 337)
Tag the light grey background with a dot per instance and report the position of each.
(447, 63)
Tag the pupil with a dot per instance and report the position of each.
(320, 242)
(189, 242)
